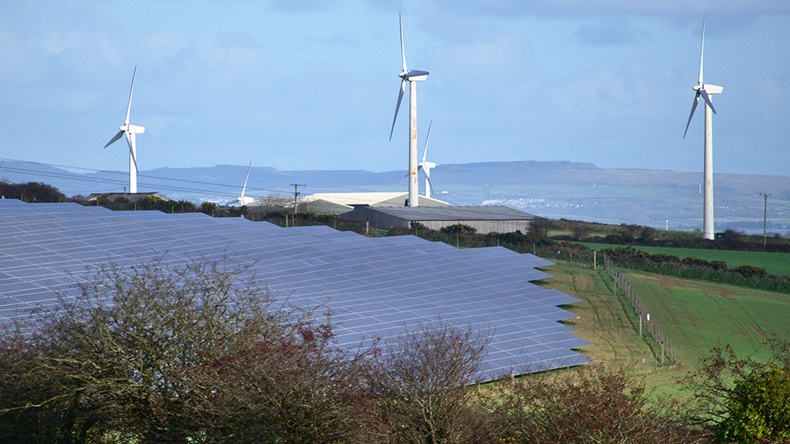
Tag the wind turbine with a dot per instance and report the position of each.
(244, 200)
(706, 91)
(130, 131)
(426, 166)
(412, 77)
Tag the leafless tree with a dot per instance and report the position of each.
(163, 354)
(424, 384)
(596, 404)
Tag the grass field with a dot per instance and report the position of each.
(774, 263)
(695, 317)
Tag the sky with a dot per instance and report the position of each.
(306, 85)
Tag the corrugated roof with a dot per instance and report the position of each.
(366, 198)
(454, 213)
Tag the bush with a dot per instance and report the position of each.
(594, 404)
(169, 354)
(741, 399)
(422, 387)
(759, 408)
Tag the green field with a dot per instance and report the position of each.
(774, 263)
(695, 317)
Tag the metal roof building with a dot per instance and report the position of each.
(483, 218)
(375, 287)
(339, 203)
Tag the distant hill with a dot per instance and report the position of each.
(570, 190)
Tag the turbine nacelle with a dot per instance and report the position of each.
(427, 165)
(133, 129)
(415, 75)
(245, 200)
(710, 89)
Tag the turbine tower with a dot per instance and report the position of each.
(706, 91)
(412, 77)
(426, 166)
(131, 132)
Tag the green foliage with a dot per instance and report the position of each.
(749, 271)
(742, 399)
(759, 407)
(209, 208)
(458, 229)
(695, 268)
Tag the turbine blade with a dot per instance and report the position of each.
(397, 107)
(244, 188)
(693, 107)
(131, 90)
(702, 50)
(402, 47)
(427, 138)
(132, 150)
(705, 96)
(114, 139)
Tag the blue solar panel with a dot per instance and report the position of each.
(375, 286)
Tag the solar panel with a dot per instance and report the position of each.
(376, 287)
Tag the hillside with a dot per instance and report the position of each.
(570, 190)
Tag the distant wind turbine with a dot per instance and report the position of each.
(244, 200)
(412, 77)
(426, 166)
(131, 132)
(706, 91)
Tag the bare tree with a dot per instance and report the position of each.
(166, 354)
(424, 387)
(596, 404)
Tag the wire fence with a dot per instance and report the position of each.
(666, 353)
(663, 349)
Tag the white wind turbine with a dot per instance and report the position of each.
(412, 77)
(244, 200)
(705, 91)
(131, 132)
(426, 166)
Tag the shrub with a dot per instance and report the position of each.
(741, 399)
(594, 404)
(759, 408)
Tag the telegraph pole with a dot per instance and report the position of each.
(765, 219)
(296, 195)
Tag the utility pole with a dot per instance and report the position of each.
(296, 195)
(765, 219)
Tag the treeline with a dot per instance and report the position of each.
(694, 268)
(201, 353)
(627, 234)
(31, 192)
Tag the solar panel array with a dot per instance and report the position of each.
(375, 287)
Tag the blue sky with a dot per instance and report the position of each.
(312, 84)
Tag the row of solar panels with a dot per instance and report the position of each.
(375, 287)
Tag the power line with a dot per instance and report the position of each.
(122, 179)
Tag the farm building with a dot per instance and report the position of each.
(484, 219)
(339, 203)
